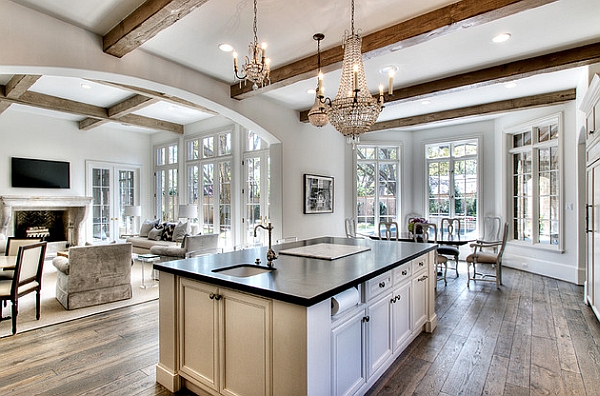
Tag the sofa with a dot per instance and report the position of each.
(192, 245)
(156, 233)
(93, 275)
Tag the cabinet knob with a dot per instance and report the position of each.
(382, 284)
(393, 300)
(218, 297)
(366, 319)
(405, 272)
(421, 263)
(211, 296)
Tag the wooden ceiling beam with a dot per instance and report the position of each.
(478, 110)
(95, 113)
(418, 30)
(556, 61)
(127, 106)
(145, 22)
(15, 87)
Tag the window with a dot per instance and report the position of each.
(535, 153)
(209, 174)
(452, 176)
(256, 164)
(377, 195)
(166, 172)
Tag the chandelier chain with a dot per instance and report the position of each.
(352, 20)
(255, 23)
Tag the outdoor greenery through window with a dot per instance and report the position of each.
(377, 195)
(452, 175)
(536, 166)
(166, 171)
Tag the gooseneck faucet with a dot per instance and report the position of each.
(270, 253)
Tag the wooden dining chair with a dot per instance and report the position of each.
(350, 226)
(390, 230)
(13, 244)
(450, 229)
(481, 256)
(27, 279)
(423, 233)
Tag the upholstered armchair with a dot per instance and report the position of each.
(192, 245)
(93, 275)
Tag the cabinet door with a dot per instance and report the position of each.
(401, 320)
(347, 347)
(379, 337)
(595, 223)
(198, 332)
(419, 300)
(246, 346)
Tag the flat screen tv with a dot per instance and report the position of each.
(37, 173)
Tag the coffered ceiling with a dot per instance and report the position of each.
(443, 51)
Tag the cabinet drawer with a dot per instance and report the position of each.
(419, 264)
(402, 273)
(378, 285)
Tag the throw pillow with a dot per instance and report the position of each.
(180, 231)
(155, 234)
(147, 226)
(168, 229)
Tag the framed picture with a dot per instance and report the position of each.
(318, 194)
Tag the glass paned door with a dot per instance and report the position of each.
(112, 187)
(254, 211)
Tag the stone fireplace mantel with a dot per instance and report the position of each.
(77, 209)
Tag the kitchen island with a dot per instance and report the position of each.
(273, 333)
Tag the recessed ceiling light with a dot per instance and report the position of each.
(502, 37)
(311, 91)
(86, 86)
(225, 47)
(387, 69)
(426, 102)
(510, 85)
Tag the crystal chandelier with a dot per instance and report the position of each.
(317, 115)
(354, 110)
(256, 65)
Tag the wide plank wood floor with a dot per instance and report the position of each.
(534, 337)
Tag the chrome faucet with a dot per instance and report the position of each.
(270, 253)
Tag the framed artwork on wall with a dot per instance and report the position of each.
(318, 194)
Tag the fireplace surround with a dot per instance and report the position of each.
(75, 211)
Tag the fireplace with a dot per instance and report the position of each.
(56, 219)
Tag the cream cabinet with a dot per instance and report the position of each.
(225, 339)
(591, 107)
(347, 351)
(419, 301)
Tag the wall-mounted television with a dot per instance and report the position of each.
(37, 173)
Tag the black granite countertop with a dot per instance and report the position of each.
(300, 280)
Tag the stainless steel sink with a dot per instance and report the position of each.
(243, 270)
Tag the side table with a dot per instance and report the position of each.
(143, 259)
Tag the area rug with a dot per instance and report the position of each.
(52, 312)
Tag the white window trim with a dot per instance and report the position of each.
(509, 132)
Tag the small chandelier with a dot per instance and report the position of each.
(317, 115)
(354, 110)
(256, 65)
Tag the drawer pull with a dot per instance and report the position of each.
(421, 263)
(405, 272)
(421, 279)
(382, 284)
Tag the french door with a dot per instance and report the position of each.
(255, 195)
(112, 187)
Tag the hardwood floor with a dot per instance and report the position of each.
(533, 337)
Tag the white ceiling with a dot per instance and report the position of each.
(288, 27)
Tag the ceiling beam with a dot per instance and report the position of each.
(478, 110)
(418, 30)
(54, 103)
(127, 106)
(556, 61)
(145, 22)
(17, 86)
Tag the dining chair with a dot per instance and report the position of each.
(13, 243)
(429, 230)
(27, 279)
(492, 227)
(480, 256)
(450, 229)
(390, 230)
(350, 226)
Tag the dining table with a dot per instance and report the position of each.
(8, 262)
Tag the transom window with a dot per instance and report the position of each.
(377, 195)
(536, 163)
